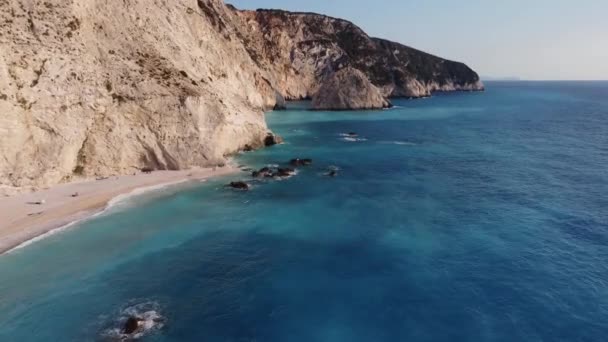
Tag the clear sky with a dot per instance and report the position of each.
(531, 39)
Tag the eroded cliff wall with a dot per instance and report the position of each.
(97, 88)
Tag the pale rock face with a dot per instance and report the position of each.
(348, 89)
(96, 88)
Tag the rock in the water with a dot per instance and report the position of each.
(348, 89)
(300, 162)
(131, 326)
(272, 139)
(267, 172)
(262, 173)
(285, 172)
(239, 185)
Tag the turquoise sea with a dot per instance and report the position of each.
(462, 217)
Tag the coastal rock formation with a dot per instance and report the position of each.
(348, 89)
(279, 172)
(264, 172)
(96, 88)
(300, 50)
(272, 139)
(92, 88)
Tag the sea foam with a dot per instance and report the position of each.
(147, 313)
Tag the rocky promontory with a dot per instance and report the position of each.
(348, 89)
(300, 50)
(92, 88)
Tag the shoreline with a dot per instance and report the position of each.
(22, 222)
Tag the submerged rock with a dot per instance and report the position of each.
(300, 162)
(240, 185)
(285, 172)
(348, 89)
(131, 325)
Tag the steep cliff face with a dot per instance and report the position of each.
(300, 50)
(96, 88)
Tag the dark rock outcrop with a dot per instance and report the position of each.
(272, 139)
(240, 185)
(267, 172)
(285, 172)
(348, 89)
(264, 172)
(130, 326)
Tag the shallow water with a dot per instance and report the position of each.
(463, 217)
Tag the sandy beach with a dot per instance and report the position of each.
(22, 219)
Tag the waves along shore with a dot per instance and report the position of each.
(28, 216)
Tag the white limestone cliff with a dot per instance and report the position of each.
(96, 88)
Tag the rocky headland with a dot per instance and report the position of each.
(301, 50)
(348, 89)
(92, 88)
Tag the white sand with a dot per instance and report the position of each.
(21, 220)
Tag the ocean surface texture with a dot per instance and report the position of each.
(463, 217)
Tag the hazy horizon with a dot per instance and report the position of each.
(544, 40)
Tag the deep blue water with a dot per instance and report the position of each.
(463, 217)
